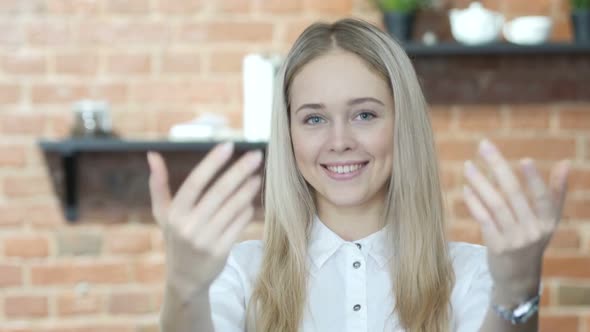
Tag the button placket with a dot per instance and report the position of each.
(357, 279)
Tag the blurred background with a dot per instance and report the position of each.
(88, 86)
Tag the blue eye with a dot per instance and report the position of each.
(314, 119)
(366, 116)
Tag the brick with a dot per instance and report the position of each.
(150, 271)
(128, 241)
(10, 275)
(71, 304)
(519, 8)
(567, 266)
(26, 246)
(226, 61)
(573, 295)
(91, 327)
(185, 7)
(24, 63)
(16, 7)
(11, 215)
(226, 32)
(338, 7)
(188, 63)
(25, 306)
(165, 121)
(127, 6)
(79, 243)
(22, 124)
(538, 148)
(52, 33)
(529, 117)
(125, 63)
(124, 33)
(553, 323)
(578, 179)
(465, 232)
(455, 150)
(194, 91)
(25, 186)
(44, 215)
(440, 118)
(13, 156)
(12, 34)
(281, 6)
(9, 93)
(565, 238)
(69, 7)
(132, 302)
(238, 6)
(70, 93)
(70, 273)
(76, 64)
(546, 297)
(576, 208)
(576, 118)
(480, 119)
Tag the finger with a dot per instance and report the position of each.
(191, 189)
(490, 197)
(558, 183)
(541, 196)
(159, 187)
(508, 182)
(480, 213)
(233, 231)
(229, 211)
(226, 186)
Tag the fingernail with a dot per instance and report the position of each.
(466, 191)
(226, 148)
(150, 159)
(486, 147)
(255, 157)
(469, 167)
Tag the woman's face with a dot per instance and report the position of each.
(342, 129)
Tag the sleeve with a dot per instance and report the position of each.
(227, 299)
(474, 305)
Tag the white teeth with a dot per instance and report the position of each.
(344, 169)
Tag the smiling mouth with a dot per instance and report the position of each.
(345, 169)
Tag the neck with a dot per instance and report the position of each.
(352, 223)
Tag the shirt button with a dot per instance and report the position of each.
(356, 307)
(358, 245)
(356, 265)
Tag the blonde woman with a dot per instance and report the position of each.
(354, 234)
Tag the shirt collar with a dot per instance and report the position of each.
(323, 243)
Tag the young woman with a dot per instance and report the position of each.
(354, 234)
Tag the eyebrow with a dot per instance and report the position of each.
(351, 102)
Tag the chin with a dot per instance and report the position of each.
(345, 199)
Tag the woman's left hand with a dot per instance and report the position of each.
(515, 232)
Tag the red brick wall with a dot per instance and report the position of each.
(162, 61)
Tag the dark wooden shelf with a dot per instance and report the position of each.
(500, 48)
(69, 150)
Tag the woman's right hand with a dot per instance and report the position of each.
(200, 226)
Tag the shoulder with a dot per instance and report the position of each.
(246, 257)
(467, 255)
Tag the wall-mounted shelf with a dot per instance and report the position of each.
(456, 49)
(69, 150)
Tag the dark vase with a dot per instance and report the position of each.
(581, 22)
(399, 25)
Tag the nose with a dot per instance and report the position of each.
(341, 138)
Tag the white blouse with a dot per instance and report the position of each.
(350, 288)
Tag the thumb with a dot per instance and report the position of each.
(159, 187)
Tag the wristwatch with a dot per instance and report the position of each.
(521, 313)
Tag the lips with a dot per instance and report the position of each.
(344, 170)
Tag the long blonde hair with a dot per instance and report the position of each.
(421, 269)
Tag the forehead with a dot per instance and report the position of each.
(338, 75)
